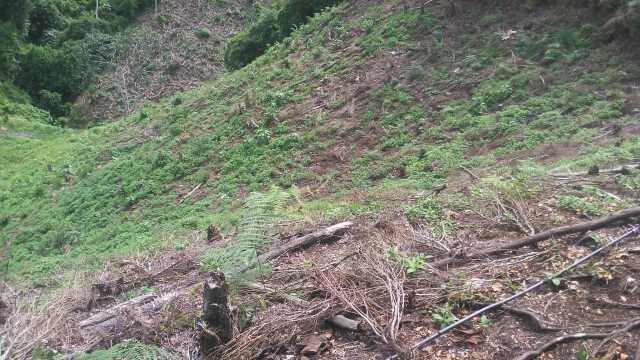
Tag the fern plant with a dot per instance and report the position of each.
(131, 350)
(260, 216)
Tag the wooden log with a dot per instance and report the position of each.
(114, 311)
(217, 327)
(548, 234)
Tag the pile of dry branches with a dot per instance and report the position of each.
(28, 321)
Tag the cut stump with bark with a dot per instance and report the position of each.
(217, 327)
(213, 234)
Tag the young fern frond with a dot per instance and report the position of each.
(131, 350)
(261, 213)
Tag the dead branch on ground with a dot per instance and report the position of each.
(595, 171)
(423, 342)
(530, 355)
(381, 303)
(533, 319)
(30, 321)
(331, 233)
(551, 233)
(610, 303)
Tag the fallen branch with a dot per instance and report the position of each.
(115, 310)
(530, 355)
(190, 193)
(327, 234)
(474, 176)
(614, 304)
(578, 262)
(551, 233)
(531, 317)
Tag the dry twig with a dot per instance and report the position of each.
(530, 355)
(31, 320)
(578, 262)
(551, 233)
(381, 304)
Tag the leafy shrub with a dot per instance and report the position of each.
(44, 18)
(8, 50)
(53, 102)
(15, 12)
(130, 350)
(78, 29)
(580, 206)
(443, 316)
(63, 71)
(203, 33)
(623, 17)
(272, 25)
(13, 93)
(295, 13)
(248, 45)
(261, 213)
(129, 8)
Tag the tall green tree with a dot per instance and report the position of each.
(15, 12)
(8, 50)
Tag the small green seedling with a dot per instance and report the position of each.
(583, 353)
(555, 280)
(443, 316)
(414, 263)
(484, 321)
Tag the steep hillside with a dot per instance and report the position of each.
(438, 128)
(174, 49)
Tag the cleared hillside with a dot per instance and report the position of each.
(437, 128)
(172, 49)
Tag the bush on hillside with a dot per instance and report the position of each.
(43, 19)
(248, 45)
(129, 8)
(272, 26)
(12, 93)
(8, 50)
(53, 102)
(78, 29)
(15, 12)
(296, 12)
(63, 70)
(623, 17)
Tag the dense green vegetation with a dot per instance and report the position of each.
(53, 49)
(78, 196)
(273, 24)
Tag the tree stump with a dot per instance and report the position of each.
(4, 312)
(213, 234)
(217, 327)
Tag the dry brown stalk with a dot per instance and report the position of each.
(31, 320)
(381, 302)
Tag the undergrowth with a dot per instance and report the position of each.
(483, 100)
(130, 350)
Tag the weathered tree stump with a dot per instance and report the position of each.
(4, 312)
(217, 327)
(213, 234)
